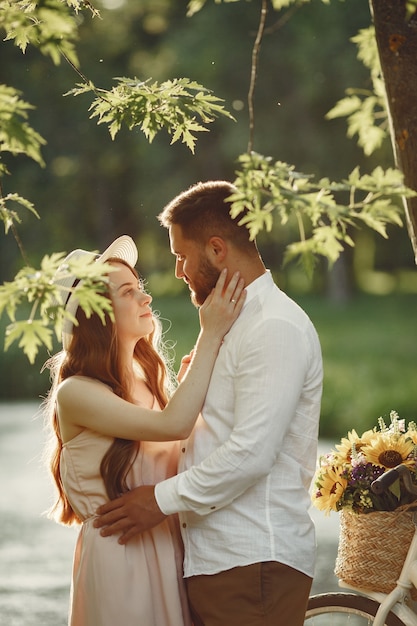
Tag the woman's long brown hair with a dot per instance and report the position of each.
(93, 352)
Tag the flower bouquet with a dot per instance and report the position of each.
(344, 476)
(377, 526)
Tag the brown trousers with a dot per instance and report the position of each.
(262, 594)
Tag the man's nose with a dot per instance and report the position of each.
(179, 273)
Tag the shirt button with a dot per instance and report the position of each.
(184, 525)
(183, 450)
(212, 508)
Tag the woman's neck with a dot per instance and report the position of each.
(141, 394)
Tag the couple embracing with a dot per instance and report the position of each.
(192, 498)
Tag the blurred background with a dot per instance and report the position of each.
(93, 189)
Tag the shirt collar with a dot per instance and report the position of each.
(264, 281)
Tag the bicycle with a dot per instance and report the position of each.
(357, 607)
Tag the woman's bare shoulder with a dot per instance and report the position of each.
(79, 384)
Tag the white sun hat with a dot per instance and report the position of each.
(123, 248)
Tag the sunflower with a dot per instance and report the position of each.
(388, 450)
(352, 442)
(344, 476)
(330, 487)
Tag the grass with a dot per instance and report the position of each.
(369, 352)
(370, 360)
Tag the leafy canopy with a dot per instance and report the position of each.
(173, 105)
(323, 210)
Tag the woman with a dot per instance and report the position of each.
(111, 419)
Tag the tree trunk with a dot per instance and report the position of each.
(396, 39)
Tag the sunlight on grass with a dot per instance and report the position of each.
(370, 360)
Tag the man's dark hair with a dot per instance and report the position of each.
(203, 211)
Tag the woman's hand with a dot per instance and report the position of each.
(223, 305)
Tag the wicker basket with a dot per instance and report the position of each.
(372, 548)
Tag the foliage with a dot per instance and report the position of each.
(265, 188)
(9, 216)
(183, 107)
(172, 105)
(16, 137)
(365, 109)
(42, 290)
(411, 8)
(344, 476)
(46, 24)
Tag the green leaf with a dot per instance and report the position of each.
(367, 49)
(283, 4)
(180, 106)
(32, 334)
(344, 107)
(49, 26)
(16, 136)
(265, 188)
(38, 289)
(194, 6)
(10, 217)
(365, 110)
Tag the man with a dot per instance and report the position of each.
(242, 492)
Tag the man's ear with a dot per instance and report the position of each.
(217, 249)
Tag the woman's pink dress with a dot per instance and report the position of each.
(138, 584)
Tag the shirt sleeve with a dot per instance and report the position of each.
(271, 370)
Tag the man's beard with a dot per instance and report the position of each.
(205, 281)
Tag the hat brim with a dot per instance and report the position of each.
(122, 248)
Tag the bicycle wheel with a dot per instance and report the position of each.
(344, 609)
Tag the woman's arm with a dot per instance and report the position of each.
(90, 404)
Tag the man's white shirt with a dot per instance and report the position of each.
(242, 492)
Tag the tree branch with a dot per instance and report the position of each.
(254, 68)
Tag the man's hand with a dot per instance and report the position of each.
(131, 514)
(185, 363)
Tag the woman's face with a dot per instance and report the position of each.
(131, 305)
